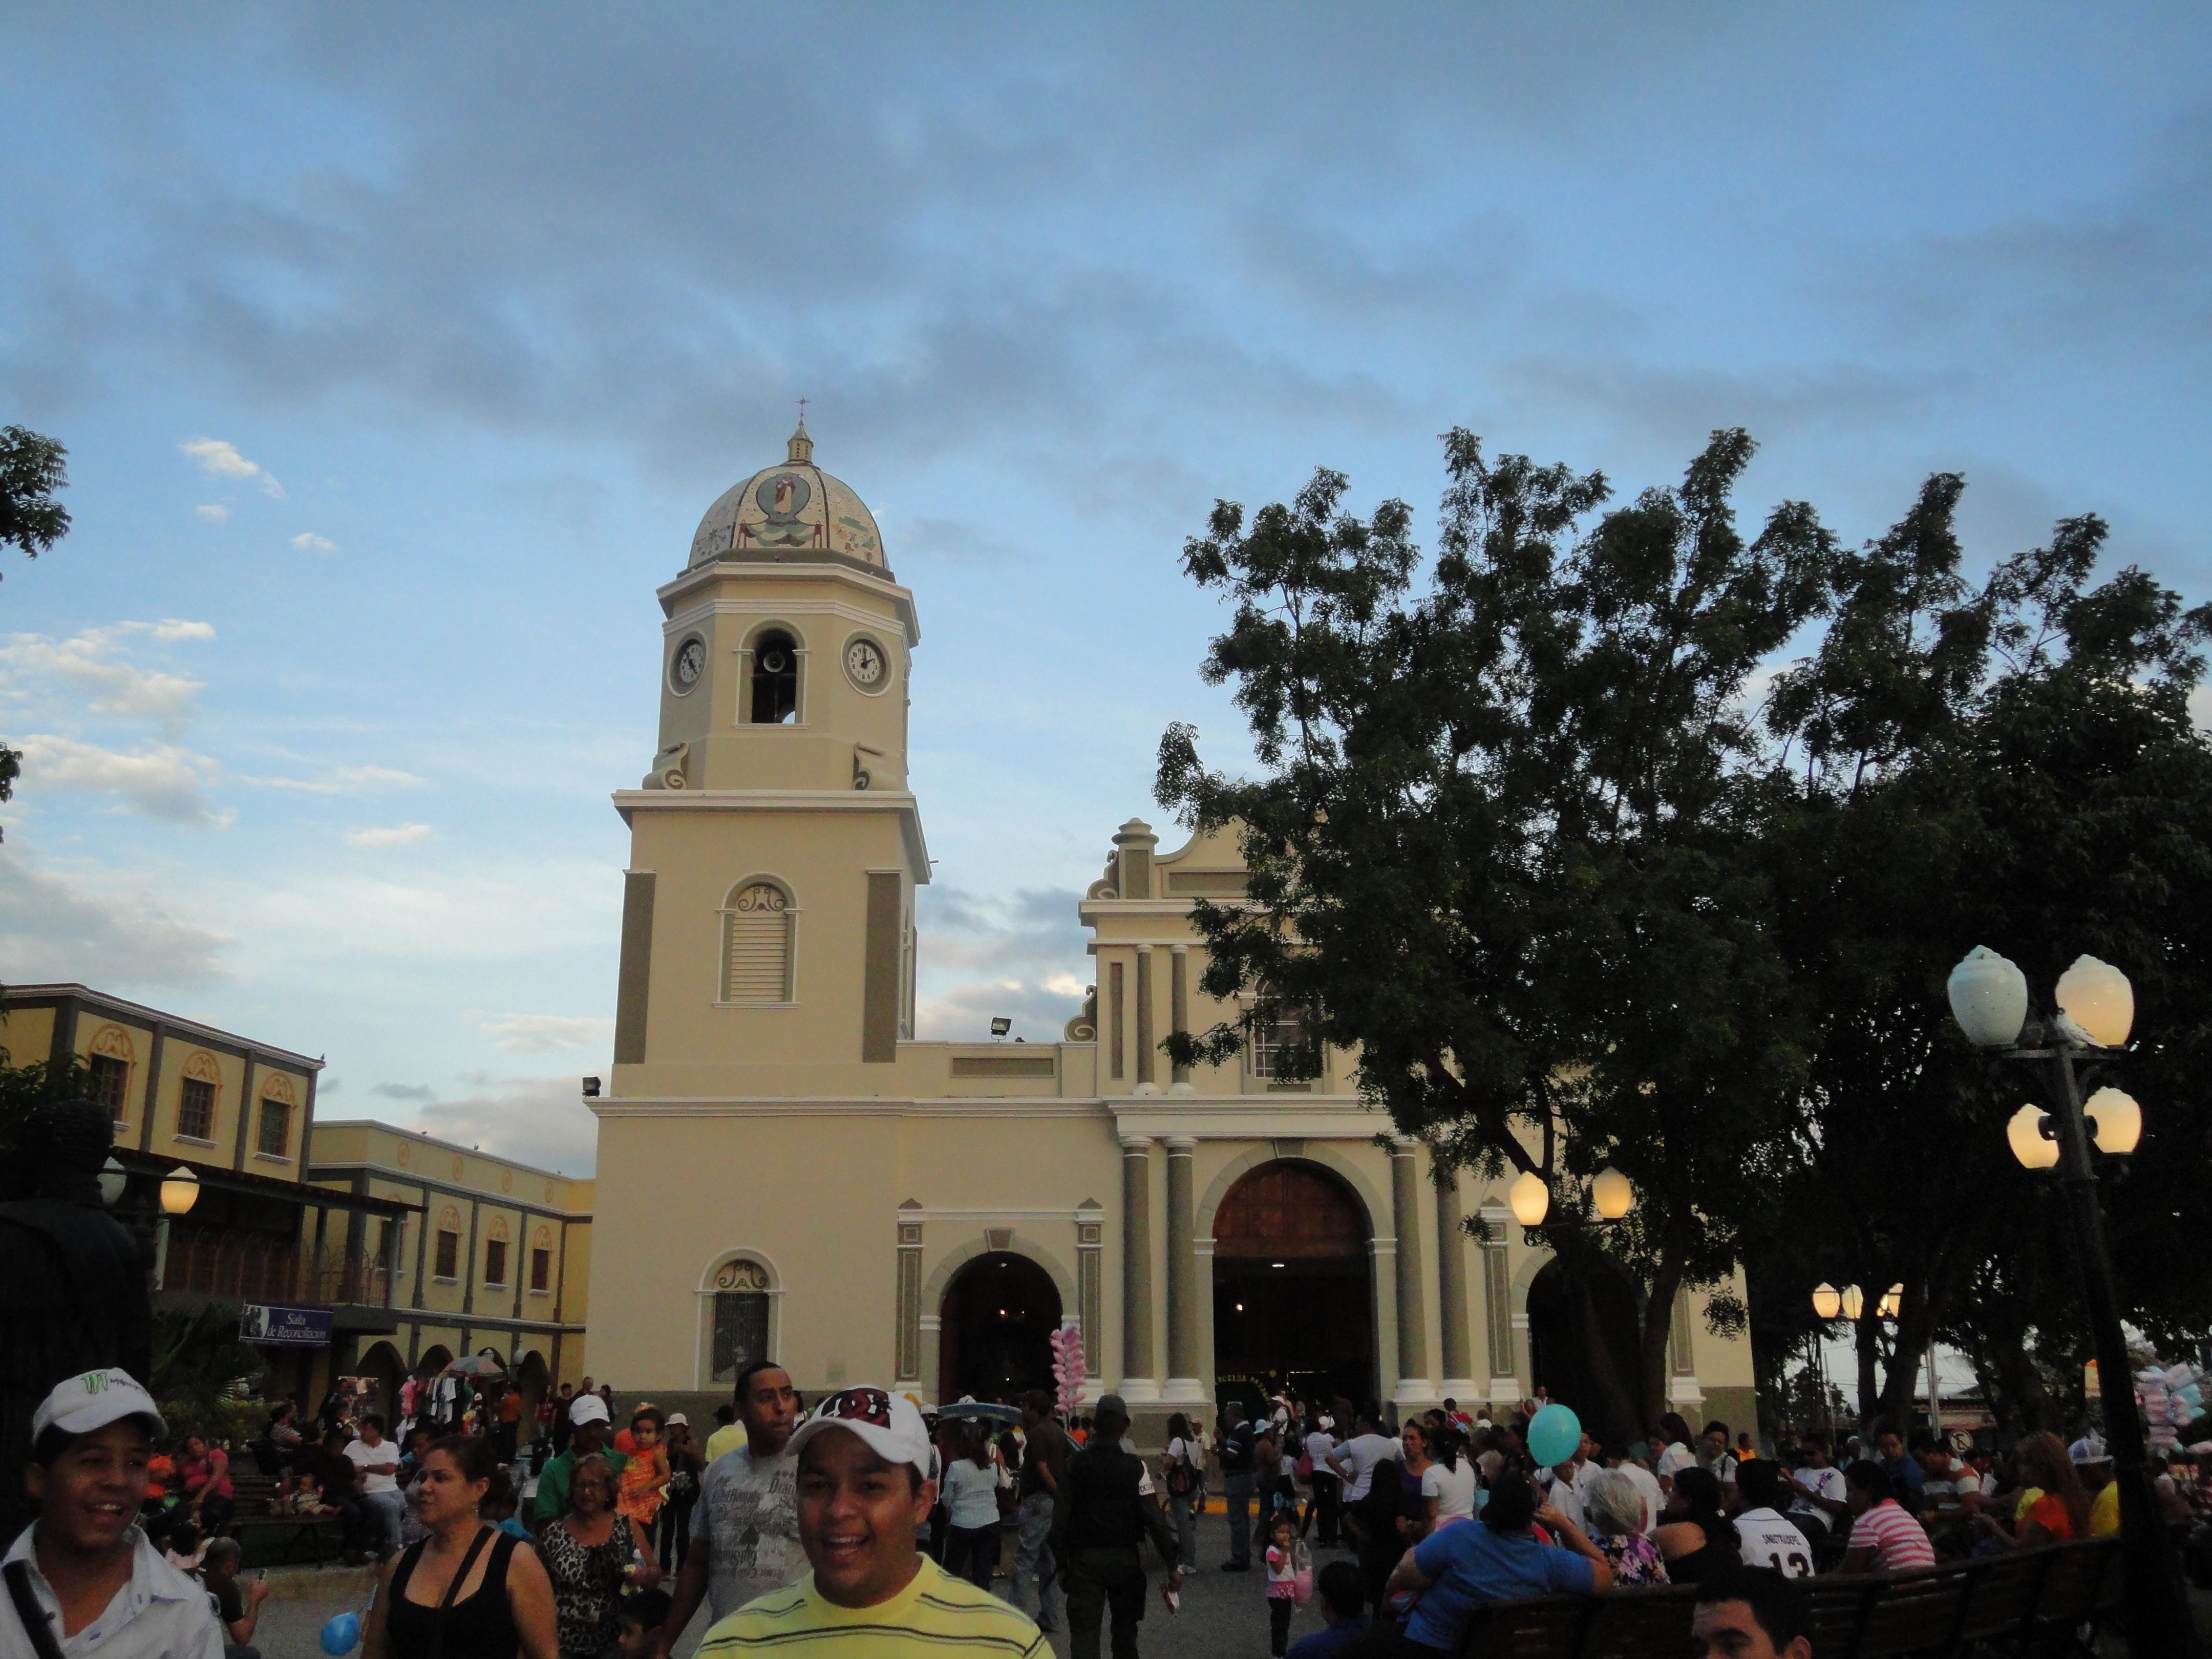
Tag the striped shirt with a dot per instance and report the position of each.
(1899, 1540)
(936, 1615)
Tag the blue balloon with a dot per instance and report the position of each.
(342, 1634)
(1555, 1434)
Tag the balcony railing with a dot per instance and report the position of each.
(258, 1268)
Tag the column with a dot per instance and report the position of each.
(1183, 1382)
(1682, 1387)
(1458, 1381)
(1505, 1390)
(1138, 1379)
(1179, 1007)
(1145, 1055)
(909, 1299)
(1413, 1327)
(1090, 1292)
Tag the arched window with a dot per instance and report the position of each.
(276, 1103)
(495, 1244)
(196, 1096)
(776, 678)
(760, 926)
(741, 1310)
(110, 1059)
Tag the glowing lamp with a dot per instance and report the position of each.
(2114, 1119)
(1828, 1301)
(1530, 1199)
(1891, 1300)
(2033, 1143)
(1988, 999)
(2098, 998)
(113, 1178)
(1854, 1302)
(1615, 1197)
(180, 1190)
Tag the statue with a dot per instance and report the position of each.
(73, 1294)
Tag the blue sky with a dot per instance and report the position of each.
(398, 349)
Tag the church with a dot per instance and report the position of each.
(786, 1171)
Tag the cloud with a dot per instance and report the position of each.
(540, 1121)
(53, 927)
(982, 956)
(308, 542)
(219, 459)
(212, 511)
(538, 1034)
(397, 835)
(343, 780)
(90, 663)
(405, 1092)
(160, 782)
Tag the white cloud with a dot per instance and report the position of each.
(539, 1034)
(397, 835)
(90, 663)
(162, 782)
(541, 1121)
(213, 511)
(345, 781)
(308, 542)
(54, 928)
(219, 459)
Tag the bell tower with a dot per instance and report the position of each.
(767, 913)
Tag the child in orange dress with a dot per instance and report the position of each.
(638, 1495)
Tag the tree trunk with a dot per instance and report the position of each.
(1868, 1334)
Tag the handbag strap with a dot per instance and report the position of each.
(29, 1610)
(446, 1602)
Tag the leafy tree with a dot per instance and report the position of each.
(24, 1089)
(32, 468)
(1501, 844)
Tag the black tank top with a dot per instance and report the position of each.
(480, 1627)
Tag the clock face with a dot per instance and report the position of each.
(865, 662)
(691, 663)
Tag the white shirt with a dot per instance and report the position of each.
(1647, 1488)
(1453, 1489)
(1319, 1444)
(158, 1614)
(1676, 1458)
(361, 1455)
(1361, 1453)
(2087, 1449)
(1567, 1496)
(971, 1495)
(747, 1521)
(1820, 1483)
(1769, 1541)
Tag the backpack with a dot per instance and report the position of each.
(1182, 1480)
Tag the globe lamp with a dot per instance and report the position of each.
(2035, 1146)
(1530, 1199)
(180, 1190)
(1854, 1302)
(1890, 1302)
(2115, 1121)
(1615, 1197)
(2098, 998)
(1828, 1301)
(1988, 999)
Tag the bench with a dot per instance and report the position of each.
(258, 1526)
(2024, 1597)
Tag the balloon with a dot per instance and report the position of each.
(1555, 1434)
(342, 1634)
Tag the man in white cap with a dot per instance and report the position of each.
(82, 1579)
(588, 1425)
(863, 1490)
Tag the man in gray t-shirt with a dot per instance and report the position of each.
(744, 1532)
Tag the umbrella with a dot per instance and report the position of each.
(983, 1409)
(475, 1364)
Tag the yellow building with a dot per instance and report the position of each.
(492, 1256)
(783, 1169)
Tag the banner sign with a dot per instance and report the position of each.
(284, 1328)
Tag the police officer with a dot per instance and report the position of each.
(1104, 1510)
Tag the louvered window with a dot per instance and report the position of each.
(757, 939)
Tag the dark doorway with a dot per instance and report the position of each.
(382, 1365)
(1292, 1303)
(994, 1338)
(1583, 1346)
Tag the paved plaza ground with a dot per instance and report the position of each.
(1223, 1616)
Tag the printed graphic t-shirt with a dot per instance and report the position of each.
(747, 1520)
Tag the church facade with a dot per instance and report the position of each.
(784, 1169)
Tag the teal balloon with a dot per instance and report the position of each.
(342, 1634)
(1555, 1434)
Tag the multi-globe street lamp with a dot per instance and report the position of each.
(2095, 1013)
(1529, 1198)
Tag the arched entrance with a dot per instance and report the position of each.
(381, 1364)
(994, 1337)
(530, 1378)
(1292, 1301)
(1583, 1346)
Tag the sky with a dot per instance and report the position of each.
(398, 350)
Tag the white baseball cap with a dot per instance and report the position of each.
(93, 1400)
(887, 1422)
(588, 1408)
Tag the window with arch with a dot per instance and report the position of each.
(740, 1294)
(775, 678)
(196, 1097)
(274, 1134)
(541, 1262)
(760, 925)
(1279, 1049)
(496, 1252)
(110, 1060)
(446, 1261)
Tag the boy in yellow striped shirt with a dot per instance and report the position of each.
(863, 1489)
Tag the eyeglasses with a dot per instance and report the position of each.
(858, 1406)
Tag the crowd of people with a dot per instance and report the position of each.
(864, 1527)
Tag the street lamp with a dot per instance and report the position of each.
(1828, 1301)
(113, 1180)
(1529, 1198)
(2096, 1012)
(180, 1190)
(1614, 1196)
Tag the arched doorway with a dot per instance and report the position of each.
(530, 1378)
(994, 1335)
(381, 1364)
(1291, 1302)
(434, 1359)
(1583, 1346)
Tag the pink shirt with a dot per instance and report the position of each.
(1899, 1540)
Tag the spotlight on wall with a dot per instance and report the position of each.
(591, 1087)
(1000, 1026)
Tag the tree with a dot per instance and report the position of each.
(1500, 846)
(32, 468)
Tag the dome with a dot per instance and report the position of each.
(796, 507)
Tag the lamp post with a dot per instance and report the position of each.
(2096, 1011)
(180, 1190)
